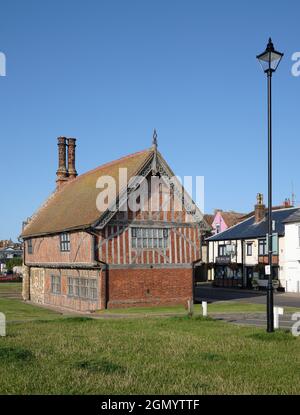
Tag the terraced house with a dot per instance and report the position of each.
(80, 257)
(238, 255)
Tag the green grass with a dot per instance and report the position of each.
(16, 310)
(169, 355)
(48, 353)
(11, 287)
(217, 307)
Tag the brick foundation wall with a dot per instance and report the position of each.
(149, 287)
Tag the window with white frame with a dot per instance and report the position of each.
(149, 238)
(65, 242)
(262, 247)
(222, 250)
(298, 236)
(249, 248)
(55, 284)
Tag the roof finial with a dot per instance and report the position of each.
(154, 139)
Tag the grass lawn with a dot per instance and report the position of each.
(11, 287)
(16, 310)
(67, 355)
(217, 307)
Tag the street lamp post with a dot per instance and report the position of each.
(269, 61)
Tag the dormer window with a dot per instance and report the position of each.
(65, 242)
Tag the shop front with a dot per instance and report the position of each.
(227, 273)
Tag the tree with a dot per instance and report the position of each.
(13, 262)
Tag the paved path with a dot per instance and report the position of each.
(214, 294)
(253, 319)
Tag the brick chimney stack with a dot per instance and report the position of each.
(71, 158)
(62, 173)
(259, 208)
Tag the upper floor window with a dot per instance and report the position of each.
(29, 246)
(249, 249)
(298, 236)
(149, 238)
(65, 242)
(222, 251)
(218, 227)
(262, 247)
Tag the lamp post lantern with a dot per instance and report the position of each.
(269, 61)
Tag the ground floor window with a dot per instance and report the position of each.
(228, 276)
(55, 284)
(82, 288)
(228, 272)
(263, 276)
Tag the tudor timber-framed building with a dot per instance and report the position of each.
(80, 258)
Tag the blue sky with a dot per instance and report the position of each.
(108, 72)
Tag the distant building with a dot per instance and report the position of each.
(9, 252)
(223, 220)
(238, 255)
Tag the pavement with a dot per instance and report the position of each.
(253, 319)
(206, 292)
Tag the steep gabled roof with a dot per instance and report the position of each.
(73, 206)
(248, 229)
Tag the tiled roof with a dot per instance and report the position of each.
(209, 219)
(73, 206)
(249, 229)
(231, 218)
(295, 217)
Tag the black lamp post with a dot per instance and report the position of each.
(269, 61)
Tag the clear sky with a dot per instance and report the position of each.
(107, 72)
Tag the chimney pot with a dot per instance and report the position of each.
(62, 173)
(259, 208)
(71, 158)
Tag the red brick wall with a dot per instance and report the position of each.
(47, 249)
(142, 287)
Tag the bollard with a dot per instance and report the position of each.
(190, 307)
(204, 308)
(2, 325)
(278, 311)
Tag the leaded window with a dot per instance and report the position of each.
(65, 242)
(55, 284)
(29, 246)
(82, 288)
(148, 238)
